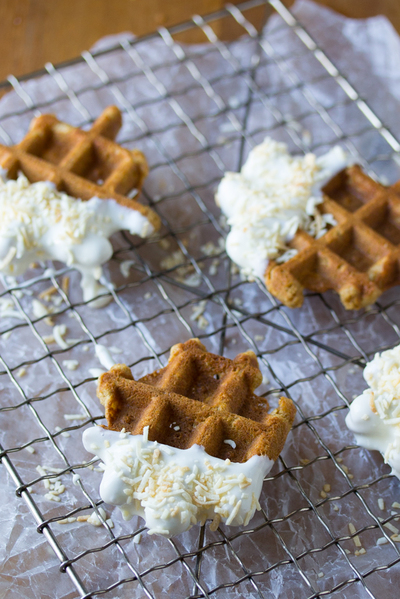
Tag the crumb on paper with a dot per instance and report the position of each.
(59, 332)
(395, 538)
(65, 284)
(58, 429)
(213, 268)
(164, 243)
(96, 372)
(382, 541)
(211, 249)
(125, 267)
(68, 520)
(70, 364)
(40, 310)
(47, 293)
(115, 350)
(182, 270)
(193, 280)
(94, 518)
(392, 528)
(75, 416)
(203, 323)
(356, 538)
(198, 310)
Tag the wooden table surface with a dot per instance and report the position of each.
(33, 32)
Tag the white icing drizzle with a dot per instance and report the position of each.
(170, 488)
(273, 196)
(37, 222)
(104, 356)
(374, 415)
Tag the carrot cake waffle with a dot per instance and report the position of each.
(312, 223)
(62, 196)
(189, 442)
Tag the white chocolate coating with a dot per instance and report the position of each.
(37, 222)
(273, 196)
(170, 488)
(374, 415)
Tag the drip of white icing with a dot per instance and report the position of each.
(374, 415)
(37, 222)
(171, 488)
(273, 196)
(104, 356)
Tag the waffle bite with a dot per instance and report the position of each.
(207, 427)
(307, 222)
(359, 258)
(63, 195)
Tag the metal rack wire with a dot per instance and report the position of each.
(239, 310)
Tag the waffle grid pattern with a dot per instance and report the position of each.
(84, 164)
(358, 257)
(210, 398)
(321, 362)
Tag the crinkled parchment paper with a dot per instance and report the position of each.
(319, 380)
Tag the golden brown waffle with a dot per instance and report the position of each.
(83, 164)
(198, 398)
(358, 258)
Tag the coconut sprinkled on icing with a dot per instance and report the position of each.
(38, 222)
(173, 489)
(273, 196)
(374, 415)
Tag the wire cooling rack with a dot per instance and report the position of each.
(326, 527)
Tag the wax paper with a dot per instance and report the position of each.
(300, 543)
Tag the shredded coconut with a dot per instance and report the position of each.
(70, 364)
(75, 416)
(173, 488)
(125, 267)
(230, 442)
(59, 331)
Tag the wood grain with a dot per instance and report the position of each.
(33, 32)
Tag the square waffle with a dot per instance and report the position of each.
(198, 398)
(83, 164)
(358, 258)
